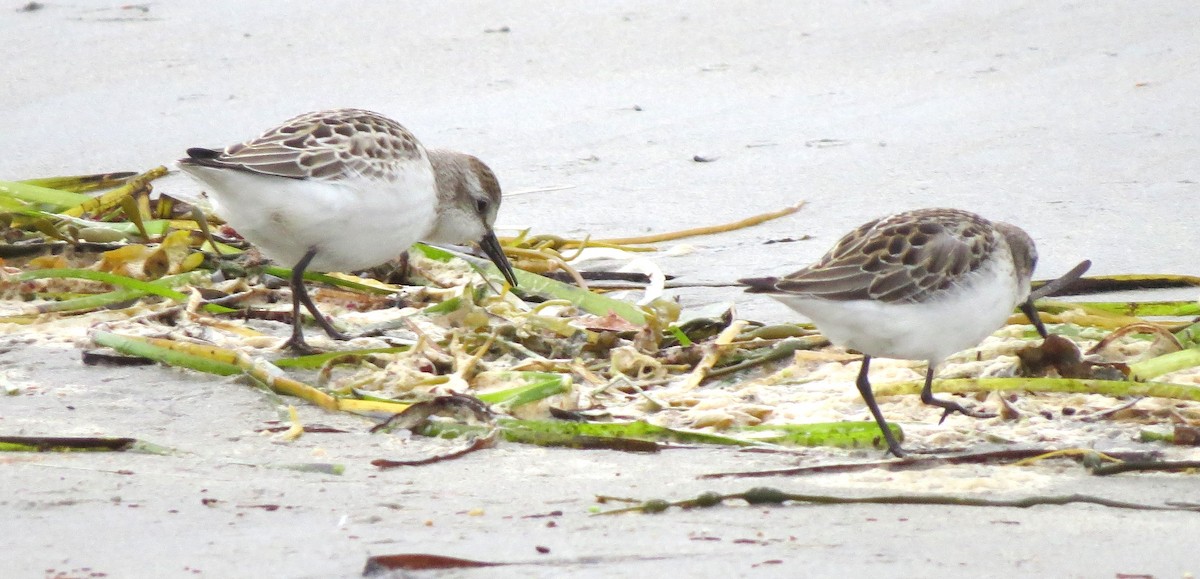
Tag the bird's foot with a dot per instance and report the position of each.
(297, 345)
(952, 407)
(893, 445)
(330, 331)
(896, 451)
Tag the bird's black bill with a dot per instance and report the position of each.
(1052, 287)
(1056, 286)
(1032, 313)
(491, 246)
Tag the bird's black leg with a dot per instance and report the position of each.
(300, 296)
(864, 388)
(947, 405)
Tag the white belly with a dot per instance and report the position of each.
(931, 331)
(353, 224)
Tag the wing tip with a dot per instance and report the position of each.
(759, 285)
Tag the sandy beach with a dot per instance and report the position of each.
(1080, 122)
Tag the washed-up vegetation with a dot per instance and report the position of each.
(559, 360)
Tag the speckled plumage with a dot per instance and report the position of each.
(347, 189)
(907, 257)
(918, 285)
(328, 145)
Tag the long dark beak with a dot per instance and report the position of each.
(491, 246)
(1052, 287)
(1032, 313)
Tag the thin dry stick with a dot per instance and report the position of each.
(1071, 452)
(1168, 466)
(762, 495)
(486, 441)
(914, 463)
(1104, 415)
(1022, 503)
(709, 230)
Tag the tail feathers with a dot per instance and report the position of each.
(760, 285)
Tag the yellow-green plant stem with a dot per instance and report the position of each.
(1049, 385)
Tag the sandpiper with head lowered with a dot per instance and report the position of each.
(346, 189)
(919, 285)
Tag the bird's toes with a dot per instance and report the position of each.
(299, 346)
(952, 407)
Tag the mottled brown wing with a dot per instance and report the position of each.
(902, 258)
(321, 145)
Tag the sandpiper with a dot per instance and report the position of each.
(918, 285)
(346, 189)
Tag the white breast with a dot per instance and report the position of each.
(958, 319)
(353, 223)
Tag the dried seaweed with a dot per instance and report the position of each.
(167, 284)
(380, 564)
(1115, 388)
(77, 444)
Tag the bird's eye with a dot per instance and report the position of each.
(482, 205)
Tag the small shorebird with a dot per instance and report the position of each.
(347, 189)
(918, 285)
